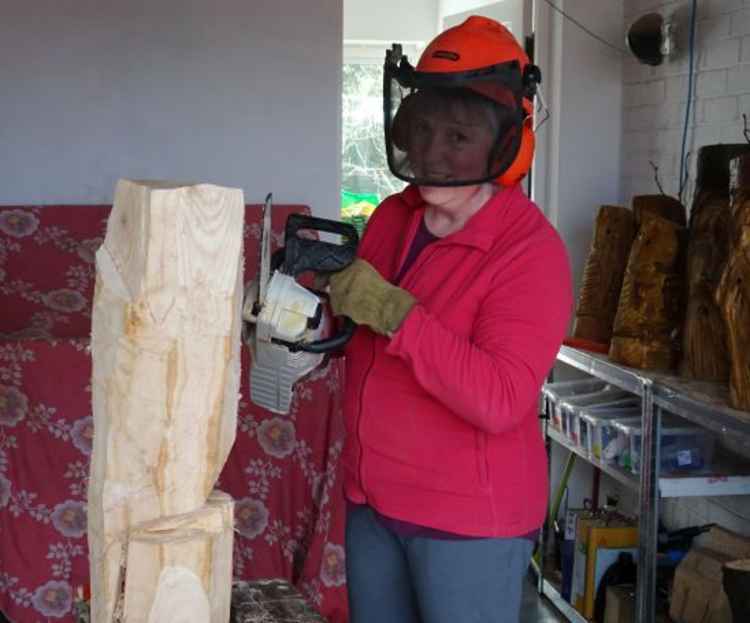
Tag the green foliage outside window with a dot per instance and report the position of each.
(365, 178)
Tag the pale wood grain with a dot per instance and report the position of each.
(182, 562)
(166, 362)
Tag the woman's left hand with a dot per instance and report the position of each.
(360, 293)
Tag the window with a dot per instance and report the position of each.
(365, 177)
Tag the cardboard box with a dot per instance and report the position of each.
(725, 542)
(697, 593)
(620, 606)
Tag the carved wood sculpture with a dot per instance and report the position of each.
(665, 206)
(733, 293)
(736, 583)
(602, 276)
(165, 345)
(704, 349)
(649, 309)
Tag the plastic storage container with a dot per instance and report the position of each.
(682, 447)
(602, 438)
(569, 407)
(553, 393)
(584, 419)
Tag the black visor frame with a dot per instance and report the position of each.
(507, 76)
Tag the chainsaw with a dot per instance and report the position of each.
(287, 326)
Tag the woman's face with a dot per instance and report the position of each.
(449, 143)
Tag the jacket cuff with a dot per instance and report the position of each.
(408, 334)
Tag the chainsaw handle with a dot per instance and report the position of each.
(303, 254)
(337, 342)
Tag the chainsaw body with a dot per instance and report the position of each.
(287, 326)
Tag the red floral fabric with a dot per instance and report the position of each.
(282, 472)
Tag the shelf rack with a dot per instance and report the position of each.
(722, 479)
(704, 404)
(550, 591)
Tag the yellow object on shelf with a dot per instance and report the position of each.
(598, 543)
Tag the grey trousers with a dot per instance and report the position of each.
(396, 579)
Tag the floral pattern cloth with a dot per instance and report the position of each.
(283, 471)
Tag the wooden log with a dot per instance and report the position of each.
(714, 161)
(179, 568)
(704, 352)
(733, 293)
(736, 582)
(165, 345)
(704, 348)
(649, 311)
(614, 231)
(664, 206)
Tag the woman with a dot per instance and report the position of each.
(462, 292)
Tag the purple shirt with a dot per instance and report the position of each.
(422, 238)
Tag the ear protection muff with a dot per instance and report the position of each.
(532, 77)
(522, 162)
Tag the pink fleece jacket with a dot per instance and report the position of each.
(442, 419)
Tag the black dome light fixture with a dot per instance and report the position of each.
(651, 38)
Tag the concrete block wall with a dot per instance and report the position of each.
(654, 103)
(654, 98)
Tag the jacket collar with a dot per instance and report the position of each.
(481, 229)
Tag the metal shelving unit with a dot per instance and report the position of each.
(704, 404)
(550, 591)
(723, 479)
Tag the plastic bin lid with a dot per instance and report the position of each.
(603, 396)
(562, 388)
(669, 426)
(602, 416)
(620, 403)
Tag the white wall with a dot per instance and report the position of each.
(577, 164)
(451, 7)
(238, 93)
(578, 155)
(655, 99)
(505, 11)
(390, 20)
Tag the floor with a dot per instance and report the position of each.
(536, 609)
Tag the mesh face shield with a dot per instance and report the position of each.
(451, 129)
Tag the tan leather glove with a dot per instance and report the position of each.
(360, 293)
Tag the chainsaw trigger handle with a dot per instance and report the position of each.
(337, 342)
(304, 254)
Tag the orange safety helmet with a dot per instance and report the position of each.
(480, 55)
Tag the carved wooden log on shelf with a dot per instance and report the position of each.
(704, 348)
(714, 164)
(733, 293)
(165, 345)
(649, 311)
(736, 583)
(704, 352)
(602, 276)
(665, 206)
